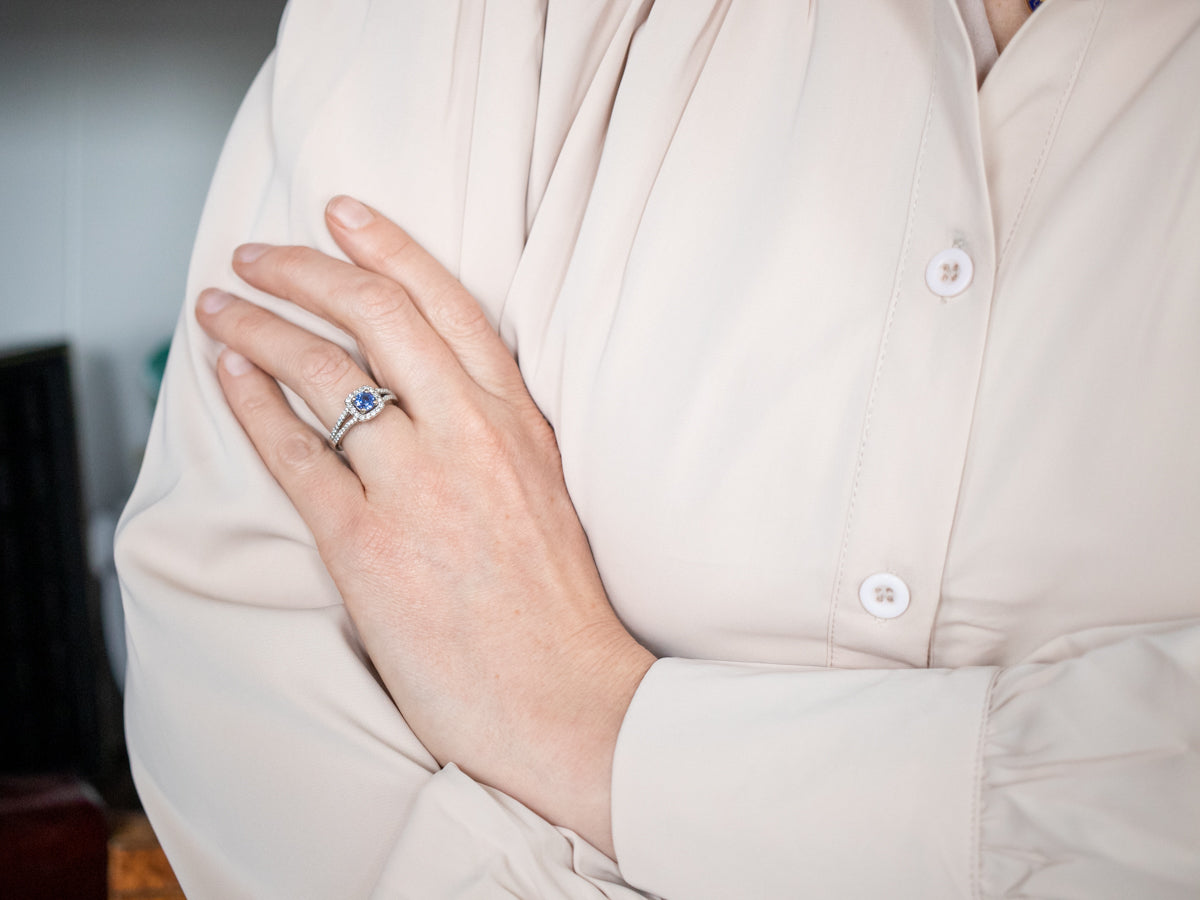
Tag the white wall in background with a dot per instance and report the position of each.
(112, 114)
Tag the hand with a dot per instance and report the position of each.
(449, 533)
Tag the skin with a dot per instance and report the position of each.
(450, 533)
(1006, 17)
(447, 525)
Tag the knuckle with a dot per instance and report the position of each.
(398, 254)
(256, 406)
(377, 303)
(299, 450)
(252, 326)
(326, 366)
(492, 443)
(457, 314)
(291, 261)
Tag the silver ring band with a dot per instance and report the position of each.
(362, 404)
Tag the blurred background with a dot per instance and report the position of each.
(112, 115)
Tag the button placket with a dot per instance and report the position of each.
(922, 398)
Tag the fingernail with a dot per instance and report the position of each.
(213, 301)
(248, 253)
(235, 364)
(349, 213)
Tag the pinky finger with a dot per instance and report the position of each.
(323, 489)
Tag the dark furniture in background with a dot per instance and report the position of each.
(60, 734)
(49, 624)
(53, 839)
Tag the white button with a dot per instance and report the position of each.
(949, 273)
(884, 595)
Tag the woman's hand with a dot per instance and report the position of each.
(450, 533)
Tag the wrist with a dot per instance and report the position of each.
(568, 778)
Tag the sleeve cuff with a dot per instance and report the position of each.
(736, 780)
(471, 842)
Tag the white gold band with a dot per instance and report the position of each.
(362, 404)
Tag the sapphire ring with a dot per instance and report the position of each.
(362, 404)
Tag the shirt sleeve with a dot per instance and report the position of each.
(1078, 778)
(271, 761)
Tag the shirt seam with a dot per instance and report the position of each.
(467, 193)
(1051, 132)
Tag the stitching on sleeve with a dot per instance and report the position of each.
(975, 862)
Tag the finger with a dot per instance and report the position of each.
(376, 243)
(325, 493)
(378, 313)
(319, 371)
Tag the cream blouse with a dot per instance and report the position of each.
(877, 397)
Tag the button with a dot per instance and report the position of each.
(949, 273)
(884, 595)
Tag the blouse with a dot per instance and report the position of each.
(876, 391)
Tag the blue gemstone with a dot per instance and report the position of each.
(364, 401)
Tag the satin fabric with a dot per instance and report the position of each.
(703, 227)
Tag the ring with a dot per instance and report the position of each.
(362, 404)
